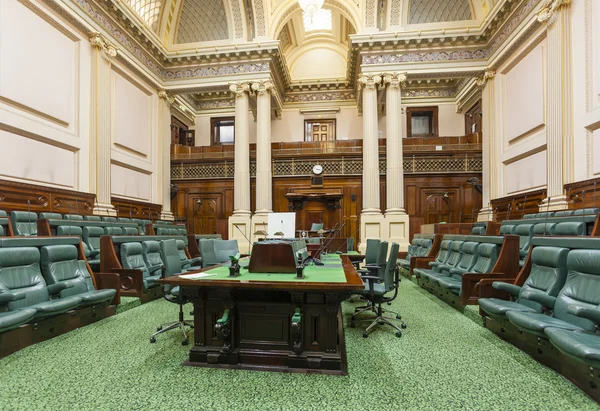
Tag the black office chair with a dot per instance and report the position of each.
(172, 264)
(370, 252)
(378, 253)
(376, 290)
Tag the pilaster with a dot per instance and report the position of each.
(165, 101)
(489, 145)
(100, 123)
(264, 191)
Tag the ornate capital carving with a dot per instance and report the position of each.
(488, 74)
(394, 80)
(239, 88)
(369, 81)
(549, 8)
(261, 87)
(165, 96)
(100, 42)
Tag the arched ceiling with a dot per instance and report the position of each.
(435, 11)
(202, 20)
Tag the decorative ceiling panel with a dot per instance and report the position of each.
(148, 10)
(433, 11)
(202, 20)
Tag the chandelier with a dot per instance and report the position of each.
(310, 7)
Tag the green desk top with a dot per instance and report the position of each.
(351, 253)
(331, 272)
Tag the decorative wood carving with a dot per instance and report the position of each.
(519, 205)
(583, 194)
(136, 209)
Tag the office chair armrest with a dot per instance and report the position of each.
(56, 288)
(509, 288)
(6, 298)
(544, 299)
(154, 268)
(591, 314)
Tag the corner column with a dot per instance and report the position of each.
(264, 177)
(371, 219)
(396, 219)
(241, 220)
(100, 124)
(560, 114)
(489, 145)
(164, 112)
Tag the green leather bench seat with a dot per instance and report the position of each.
(581, 346)
(110, 219)
(467, 261)
(529, 216)
(586, 211)
(487, 254)
(421, 249)
(91, 237)
(92, 218)
(544, 229)
(24, 223)
(507, 229)
(130, 231)
(21, 278)
(53, 216)
(544, 214)
(441, 258)
(3, 213)
(453, 257)
(4, 227)
(151, 253)
(37, 241)
(73, 217)
(123, 239)
(113, 231)
(571, 228)
(582, 288)
(124, 220)
(525, 232)
(133, 259)
(412, 248)
(60, 265)
(548, 275)
(564, 213)
(478, 230)
(14, 319)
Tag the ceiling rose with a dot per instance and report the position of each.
(311, 7)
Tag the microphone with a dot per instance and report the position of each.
(327, 239)
(29, 216)
(547, 213)
(240, 230)
(283, 235)
(353, 235)
(510, 207)
(50, 203)
(524, 205)
(460, 217)
(76, 206)
(130, 211)
(583, 202)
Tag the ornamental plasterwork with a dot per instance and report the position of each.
(213, 104)
(169, 99)
(216, 71)
(370, 13)
(510, 26)
(395, 12)
(238, 26)
(100, 42)
(320, 97)
(259, 18)
(488, 74)
(549, 7)
(261, 87)
(412, 57)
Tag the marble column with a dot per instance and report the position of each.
(489, 145)
(396, 219)
(100, 123)
(164, 134)
(559, 124)
(371, 219)
(241, 221)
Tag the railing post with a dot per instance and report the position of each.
(413, 163)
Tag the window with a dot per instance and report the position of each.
(422, 121)
(321, 21)
(319, 130)
(222, 130)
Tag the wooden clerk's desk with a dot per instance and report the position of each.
(275, 321)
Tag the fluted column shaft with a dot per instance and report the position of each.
(370, 177)
(164, 113)
(264, 192)
(100, 123)
(489, 145)
(394, 156)
(241, 174)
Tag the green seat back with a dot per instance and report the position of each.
(170, 257)
(3, 213)
(544, 214)
(51, 216)
(2, 231)
(544, 229)
(207, 251)
(529, 216)
(73, 217)
(163, 231)
(130, 231)
(316, 226)
(382, 251)
(124, 220)
(478, 231)
(372, 250)
(564, 213)
(91, 236)
(570, 228)
(350, 245)
(487, 254)
(60, 264)
(67, 230)
(225, 248)
(113, 231)
(454, 254)
(182, 255)
(586, 211)
(182, 231)
(444, 252)
(151, 253)
(390, 267)
(581, 288)
(132, 258)
(110, 219)
(468, 258)
(426, 245)
(24, 223)
(92, 218)
(525, 232)
(20, 272)
(140, 224)
(507, 229)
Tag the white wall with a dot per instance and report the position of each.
(317, 63)
(44, 108)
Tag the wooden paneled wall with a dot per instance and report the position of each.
(519, 205)
(136, 209)
(583, 194)
(206, 205)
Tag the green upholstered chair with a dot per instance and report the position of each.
(570, 228)
(586, 211)
(379, 283)
(467, 261)
(478, 231)
(10, 320)
(113, 231)
(544, 229)
(22, 284)
(109, 219)
(487, 254)
(92, 218)
(525, 232)
(453, 258)
(151, 253)
(507, 229)
(91, 238)
(564, 213)
(60, 266)
(51, 216)
(544, 214)
(226, 248)
(583, 347)
(162, 231)
(350, 244)
(140, 224)
(579, 297)
(527, 216)
(71, 230)
(130, 231)
(132, 258)
(548, 275)
(371, 252)
(170, 257)
(189, 264)
(440, 259)
(181, 231)
(2, 231)
(73, 217)
(421, 248)
(207, 252)
(124, 220)
(3, 213)
(24, 223)
(316, 226)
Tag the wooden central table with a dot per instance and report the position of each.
(271, 321)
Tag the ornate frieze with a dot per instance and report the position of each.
(549, 8)
(216, 71)
(100, 42)
(512, 24)
(169, 99)
(214, 104)
(320, 96)
(488, 74)
(416, 57)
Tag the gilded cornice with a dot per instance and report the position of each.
(320, 96)
(105, 47)
(549, 8)
(166, 97)
(483, 79)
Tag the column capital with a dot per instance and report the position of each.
(100, 42)
(262, 86)
(548, 9)
(369, 81)
(394, 80)
(487, 75)
(169, 99)
(239, 88)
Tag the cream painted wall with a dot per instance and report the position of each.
(318, 63)
(450, 123)
(44, 109)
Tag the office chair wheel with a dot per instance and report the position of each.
(403, 325)
(365, 335)
(352, 324)
(389, 303)
(152, 340)
(185, 342)
(398, 334)
(159, 329)
(398, 317)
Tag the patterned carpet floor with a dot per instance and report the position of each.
(444, 361)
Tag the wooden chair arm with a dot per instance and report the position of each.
(484, 288)
(107, 281)
(469, 282)
(419, 262)
(130, 279)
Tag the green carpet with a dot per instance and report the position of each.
(127, 303)
(444, 361)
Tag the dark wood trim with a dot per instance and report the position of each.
(126, 208)
(519, 205)
(433, 120)
(213, 138)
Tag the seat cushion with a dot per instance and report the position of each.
(378, 288)
(451, 283)
(535, 323)
(582, 346)
(13, 319)
(54, 307)
(498, 308)
(96, 296)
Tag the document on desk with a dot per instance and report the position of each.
(196, 276)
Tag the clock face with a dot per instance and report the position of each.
(318, 169)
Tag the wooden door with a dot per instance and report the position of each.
(320, 130)
(473, 119)
(438, 207)
(205, 216)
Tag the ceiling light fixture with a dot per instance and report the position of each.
(311, 7)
